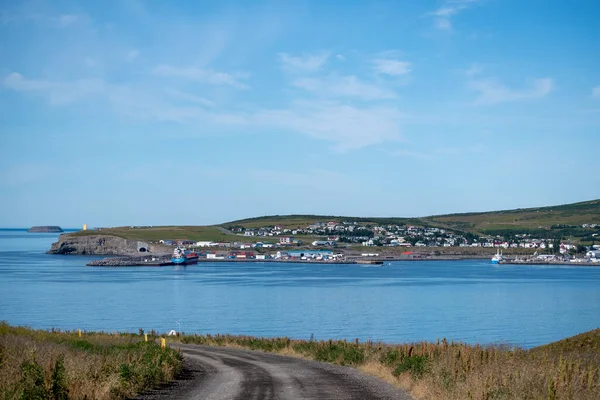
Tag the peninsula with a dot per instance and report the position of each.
(565, 233)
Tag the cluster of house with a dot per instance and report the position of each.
(375, 235)
(283, 242)
(317, 255)
(402, 235)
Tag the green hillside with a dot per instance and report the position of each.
(156, 233)
(302, 221)
(196, 233)
(565, 220)
(567, 215)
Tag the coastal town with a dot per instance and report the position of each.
(343, 241)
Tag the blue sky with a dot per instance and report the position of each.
(200, 112)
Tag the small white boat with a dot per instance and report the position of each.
(497, 257)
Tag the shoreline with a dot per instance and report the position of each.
(164, 261)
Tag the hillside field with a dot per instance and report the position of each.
(560, 219)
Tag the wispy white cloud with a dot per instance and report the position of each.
(49, 20)
(473, 70)
(179, 95)
(343, 86)
(410, 154)
(132, 55)
(347, 127)
(69, 19)
(58, 93)
(305, 63)
(493, 92)
(442, 17)
(391, 67)
(596, 92)
(203, 75)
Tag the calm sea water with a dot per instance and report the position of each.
(472, 301)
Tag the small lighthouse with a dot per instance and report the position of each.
(85, 227)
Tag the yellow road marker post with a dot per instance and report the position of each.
(145, 337)
(163, 343)
(79, 331)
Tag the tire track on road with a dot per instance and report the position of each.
(230, 373)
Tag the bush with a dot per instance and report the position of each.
(60, 387)
(32, 381)
(416, 365)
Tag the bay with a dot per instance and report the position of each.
(471, 300)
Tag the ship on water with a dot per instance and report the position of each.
(497, 257)
(182, 257)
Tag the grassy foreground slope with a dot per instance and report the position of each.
(568, 369)
(36, 364)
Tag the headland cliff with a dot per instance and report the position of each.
(100, 245)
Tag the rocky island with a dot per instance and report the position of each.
(45, 229)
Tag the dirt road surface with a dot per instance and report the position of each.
(218, 373)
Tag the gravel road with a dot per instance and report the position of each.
(216, 373)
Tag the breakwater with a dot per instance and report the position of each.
(165, 260)
(131, 262)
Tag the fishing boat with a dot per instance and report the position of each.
(497, 257)
(180, 256)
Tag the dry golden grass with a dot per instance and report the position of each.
(96, 366)
(569, 369)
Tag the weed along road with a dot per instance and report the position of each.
(217, 373)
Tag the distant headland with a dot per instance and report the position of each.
(45, 229)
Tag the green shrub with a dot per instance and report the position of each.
(389, 357)
(60, 387)
(32, 381)
(416, 365)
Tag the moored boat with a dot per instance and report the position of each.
(497, 257)
(180, 256)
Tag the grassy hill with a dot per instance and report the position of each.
(155, 233)
(521, 219)
(302, 221)
(562, 220)
(196, 233)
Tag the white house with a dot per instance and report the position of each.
(593, 254)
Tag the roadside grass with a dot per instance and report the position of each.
(38, 364)
(568, 369)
